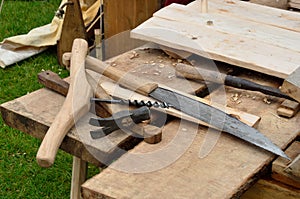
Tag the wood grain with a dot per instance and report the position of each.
(266, 189)
(177, 26)
(75, 106)
(122, 15)
(288, 108)
(291, 85)
(280, 171)
(252, 12)
(73, 27)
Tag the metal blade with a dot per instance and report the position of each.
(216, 118)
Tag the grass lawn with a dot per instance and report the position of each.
(20, 175)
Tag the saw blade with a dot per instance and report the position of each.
(216, 118)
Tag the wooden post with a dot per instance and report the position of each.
(79, 172)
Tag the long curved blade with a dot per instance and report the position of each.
(216, 118)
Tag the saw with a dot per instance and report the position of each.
(186, 104)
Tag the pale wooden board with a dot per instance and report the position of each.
(252, 12)
(225, 40)
(233, 26)
(230, 168)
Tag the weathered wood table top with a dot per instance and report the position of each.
(171, 168)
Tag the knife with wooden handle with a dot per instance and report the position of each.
(195, 73)
(76, 104)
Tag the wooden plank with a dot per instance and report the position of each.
(294, 1)
(248, 11)
(233, 26)
(281, 172)
(276, 4)
(294, 5)
(265, 189)
(33, 114)
(288, 108)
(238, 163)
(291, 85)
(122, 15)
(221, 46)
(151, 63)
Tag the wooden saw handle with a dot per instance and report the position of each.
(127, 80)
(75, 105)
(194, 73)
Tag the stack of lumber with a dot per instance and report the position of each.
(294, 4)
(248, 35)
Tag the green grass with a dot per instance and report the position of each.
(20, 176)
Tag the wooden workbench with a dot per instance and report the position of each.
(228, 170)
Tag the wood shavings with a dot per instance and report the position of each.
(171, 76)
(265, 100)
(133, 55)
(161, 65)
(236, 98)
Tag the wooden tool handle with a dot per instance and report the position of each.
(194, 73)
(52, 81)
(127, 80)
(75, 105)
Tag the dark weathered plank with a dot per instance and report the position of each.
(33, 114)
(288, 175)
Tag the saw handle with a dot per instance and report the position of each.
(75, 105)
(194, 73)
(127, 80)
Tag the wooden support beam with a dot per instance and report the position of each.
(73, 27)
(79, 172)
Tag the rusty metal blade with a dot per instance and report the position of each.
(216, 118)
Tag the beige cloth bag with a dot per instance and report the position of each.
(20, 47)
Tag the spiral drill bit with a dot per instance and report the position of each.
(137, 103)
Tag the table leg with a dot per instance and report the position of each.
(79, 172)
